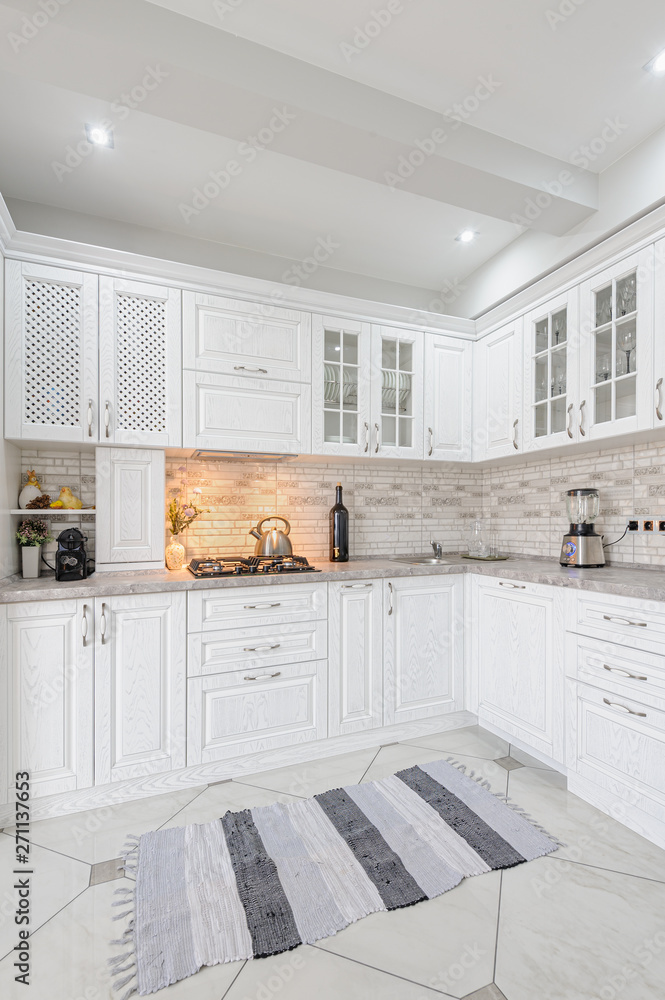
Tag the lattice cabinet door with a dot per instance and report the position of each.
(51, 353)
(139, 363)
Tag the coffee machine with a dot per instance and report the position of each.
(582, 547)
(71, 561)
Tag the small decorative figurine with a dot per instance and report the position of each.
(67, 500)
(30, 491)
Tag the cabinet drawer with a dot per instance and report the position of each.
(243, 711)
(620, 743)
(640, 624)
(509, 588)
(229, 649)
(633, 672)
(272, 604)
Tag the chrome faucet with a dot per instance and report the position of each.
(438, 551)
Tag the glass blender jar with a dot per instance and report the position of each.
(582, 547)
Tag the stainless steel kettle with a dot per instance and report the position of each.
(274, 541)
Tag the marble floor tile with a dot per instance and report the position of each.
(579, 932)
(589, 835)
(315, 776)
(471, 740)
(445, 943)
(527, 759)
(55, 882)
(218, 799)
(70, 953)
(100, 834)
(398, 756)
(309, 972)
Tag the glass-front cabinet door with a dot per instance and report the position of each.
(340, 387)
(617, 346)
(551, 372)
(397, 393)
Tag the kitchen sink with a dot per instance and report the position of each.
(421, 560)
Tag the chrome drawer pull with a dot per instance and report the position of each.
(390, 593)
(617, 704)
(260, 677)
(515, 444)
(355, 586)
(252, 371)
(623, 621)
(625, 673)
(513, 586)
(659, 401)
(261, 649)
(431, 440)
(102, 624)
(261, 607)
(570, 420)
(84, 625)
(366, 448)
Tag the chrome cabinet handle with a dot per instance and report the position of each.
(390, 592)
(89, 418)
(366, 449)
(252, 371)
(431, 440)
(623, 621)
(513, 586)
(659, 399)
(84, 625)
(570, 420)
(625, 673)
(515, 444)
(107, 417)
(260, 677)
(582, 405)
(355, 586)
(631, 711)
(102, 624)
(261, 607)
(376, 428)
(261, 649)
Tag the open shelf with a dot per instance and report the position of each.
(53, 511)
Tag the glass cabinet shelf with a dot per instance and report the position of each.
(615, 349)
(340, 387)
(396, 393)
(550, 373)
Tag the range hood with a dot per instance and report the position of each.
(240, 456)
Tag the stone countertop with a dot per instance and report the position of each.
(641, 583)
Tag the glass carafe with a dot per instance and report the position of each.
(583, 506)
(478, 540)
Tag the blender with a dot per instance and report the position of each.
(582, 547)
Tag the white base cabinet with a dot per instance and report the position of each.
(423, 647)
(518, 648)
(355, 660)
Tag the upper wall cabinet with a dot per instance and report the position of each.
(447, 399)
(139, 363)
(340, 387)
(498, 393)
(658, 411)
(617, 349)
(396, 380)
(237, 338)
(551, 373)
(51, 353)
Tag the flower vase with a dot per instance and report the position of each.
(31, 561)
(175, 553)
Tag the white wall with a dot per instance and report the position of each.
(10, 457)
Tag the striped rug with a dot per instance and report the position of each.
(262, 881)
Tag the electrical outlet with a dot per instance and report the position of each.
(633, 525)
(661, 525)
(647, 525)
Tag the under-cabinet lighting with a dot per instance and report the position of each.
(98, 135)
(657, 64)
(466, 236)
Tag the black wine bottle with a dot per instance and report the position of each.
(339, 529)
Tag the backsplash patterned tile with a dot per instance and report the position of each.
(58, 468)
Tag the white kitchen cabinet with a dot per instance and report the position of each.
(658, 411)
(617, 349)
(396, 380)
(447, 399)
(140, 363)
(47, 719)
(130, 509)
(140, 685)
(498, 386)
(244, 711)
(227, 413)
(518, 643)
(355, 656)
(423, 647)
(340, 387)
(250, 339)
(551, 373)
(51, 328)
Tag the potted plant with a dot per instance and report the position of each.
(31, 535)
(180, 516)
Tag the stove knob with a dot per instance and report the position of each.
(237, 570)
(252, 569)
(279, 567)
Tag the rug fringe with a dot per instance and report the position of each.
(126, 962)
(478, 778)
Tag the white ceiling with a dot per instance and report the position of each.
(228, 64)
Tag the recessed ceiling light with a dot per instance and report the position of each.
(466, 236)
(98, 135)
(657, 64)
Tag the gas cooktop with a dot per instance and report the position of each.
(251, 566)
